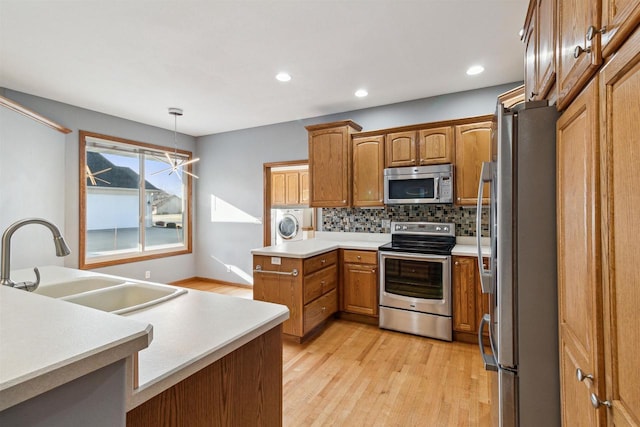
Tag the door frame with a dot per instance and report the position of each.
(266, 179)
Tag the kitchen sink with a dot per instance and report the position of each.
(72, 287)
(126, 297)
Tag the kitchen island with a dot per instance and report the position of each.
(214, 359)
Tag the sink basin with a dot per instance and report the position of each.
(126, 297)
(84, 284)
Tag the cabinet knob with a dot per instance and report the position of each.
(324, 308)
(596, 402)
(322, 282)
(322, 261)
(373, 271)
(592, 31)
(581, 376)
(457, 263)
(579, 50)
(359, 257)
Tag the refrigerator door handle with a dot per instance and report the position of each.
(489, 360)
(486, 276)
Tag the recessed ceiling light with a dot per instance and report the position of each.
(476, 69)
(361, 93)
(283, 77)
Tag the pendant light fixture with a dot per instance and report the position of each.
(177, 164)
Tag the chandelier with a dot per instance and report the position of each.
(177, 163)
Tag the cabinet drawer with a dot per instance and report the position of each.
(320, 261)
(361, 257)
(318, 310)
(320, 283)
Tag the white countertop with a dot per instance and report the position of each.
(47, 343)
(190, 331)
(328, 241)
(324, 242)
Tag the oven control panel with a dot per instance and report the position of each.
(428, 228)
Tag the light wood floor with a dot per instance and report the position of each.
(355, 374)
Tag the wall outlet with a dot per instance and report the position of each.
(386, 223)
(147, 275)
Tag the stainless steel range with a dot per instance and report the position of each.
(415, 279)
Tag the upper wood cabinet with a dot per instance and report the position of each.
(289, 188)
(435, 146)
(513, 97)
(472, 148)
(400, 149)
(539, 39)
(330, 163)
(619, 18)
(578, 52)
(368, 166)
(304, 187)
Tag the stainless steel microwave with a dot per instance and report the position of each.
(418, 184)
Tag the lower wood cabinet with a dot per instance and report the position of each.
(306, 286)
(469, 303)
(360, 282)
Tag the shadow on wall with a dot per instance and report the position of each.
(248, 278)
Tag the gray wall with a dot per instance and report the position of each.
(61, 190)
(232, 166)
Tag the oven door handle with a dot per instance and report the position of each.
(416, 256)
(489, 360)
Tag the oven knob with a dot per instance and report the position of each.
(438, 228)
(404, 227)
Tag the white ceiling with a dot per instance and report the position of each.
(217, 59)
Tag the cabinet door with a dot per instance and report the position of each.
(329, 167)
(304, 187)
(620, 81)
(575, 67)
(473, 146)
(619, 17)
(360, 292)
(579, 285)
(530, 53)
(278, 189)
(400, 149)
(435, 146)
(465, 276)
(545, 50)
(292, 188)
(482, 300)
(280, 289)
(368, 166)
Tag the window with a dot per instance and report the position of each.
(133, 204)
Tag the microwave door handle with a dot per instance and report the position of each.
(486, 276)
(489, 360)
(436, 187)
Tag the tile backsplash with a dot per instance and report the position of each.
(370, 220)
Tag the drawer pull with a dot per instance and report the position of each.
(359, 257)
(596, 402)
(322, 261)
(581, 376)
(293, 273)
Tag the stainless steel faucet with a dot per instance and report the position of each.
(61, 250)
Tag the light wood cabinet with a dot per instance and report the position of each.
(469, 303)
(360, 282)
(400, 149)
(310, 293)
(578, 56)
(472, 148)
(435, 146)
(620, 179)
(330, 159)
(579, 286)
(539, 39)
(289, 188)
(304, 187)
(368, 167)
(418, 148)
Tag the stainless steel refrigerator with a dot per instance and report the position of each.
(521, 276)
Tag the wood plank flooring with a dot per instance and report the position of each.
(354, 374)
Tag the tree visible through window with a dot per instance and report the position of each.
(132, 207)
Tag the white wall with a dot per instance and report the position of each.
(32, 170)
(63, 187)
(232, 167)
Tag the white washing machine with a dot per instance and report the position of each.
(287, 225)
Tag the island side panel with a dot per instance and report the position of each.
(243, 388)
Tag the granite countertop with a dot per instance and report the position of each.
(190, 332)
